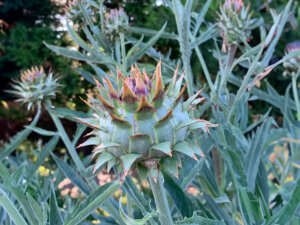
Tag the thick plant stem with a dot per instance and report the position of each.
(295, 93)
(161, 200)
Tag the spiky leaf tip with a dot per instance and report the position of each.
(129, 99)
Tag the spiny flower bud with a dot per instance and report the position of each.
(140, 123)
(114, 20)
(74, 13)
(35, 86)
(292, 65)
(234, 22)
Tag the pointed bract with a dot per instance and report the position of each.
(145, 106)
(128, 96)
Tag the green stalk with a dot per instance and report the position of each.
(118, 50)
(161, 202)
(65, 138)
(295, 93)
(123, 52)
(230, 58)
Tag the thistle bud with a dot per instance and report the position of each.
(114, 20)
(292, 65)
(74, 13)
(234, 22)
(146, 126)
(35, 87)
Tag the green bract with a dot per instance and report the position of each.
(35, 86)
(142, 123)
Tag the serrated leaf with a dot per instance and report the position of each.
(16, 191)
(217, 210)
(150, 32)
(38, 212)
(149, 44)
(10, 208)
(183, 204)
(192, 173)
(78, 39)
(137, 196)
(93, 202)
(198, 220)
(130, 221)
(200, 17)
(72, 54)
(204, 36)
(68, 113)
(69, 172)
(237, 166)
(55, 216)
(42, 131)
(286, 213)
(254, 152)
(87, 75)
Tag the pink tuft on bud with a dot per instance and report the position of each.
(237, 5)
(293, 46)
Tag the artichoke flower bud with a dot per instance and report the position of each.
(114, 20)
(75, 14)
(35, 87)
(292, 65)
(142, 124)
(234, 22)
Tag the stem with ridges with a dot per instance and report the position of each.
(295, 93)
(161, 201)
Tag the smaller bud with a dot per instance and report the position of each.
(234, 22)
(292, 65)
(35, 86)
(293, 46)
(114, 20)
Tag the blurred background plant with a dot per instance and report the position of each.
(250, 172)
